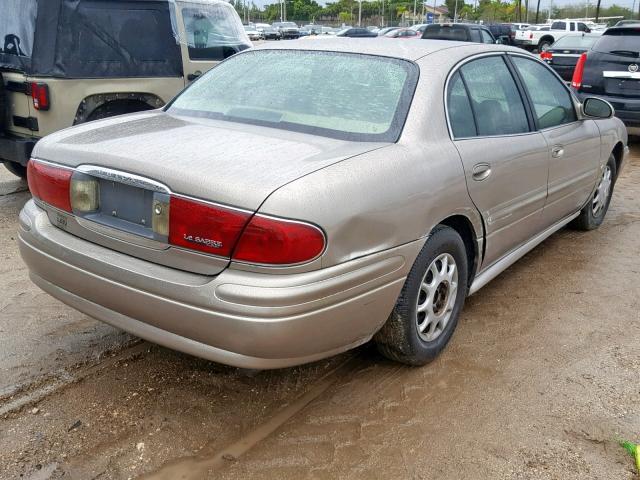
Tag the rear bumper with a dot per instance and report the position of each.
(238, 318)
(16, 149)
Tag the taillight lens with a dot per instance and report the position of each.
(578, 73)
(546, 55)
(205, 227)
(50, 184)
(40, 96)
(275, 241)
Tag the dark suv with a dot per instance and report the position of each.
(460, 32)
(611, 70)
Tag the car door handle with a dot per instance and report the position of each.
(557, 151)
(481, 171)
(192, 76)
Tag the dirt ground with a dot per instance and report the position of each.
(538, 382)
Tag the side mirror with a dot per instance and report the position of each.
(597, 108)
(499, 41)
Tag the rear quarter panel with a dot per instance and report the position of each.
(390, 196)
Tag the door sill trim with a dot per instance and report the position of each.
(512, 257)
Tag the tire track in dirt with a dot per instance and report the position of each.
(194, 468)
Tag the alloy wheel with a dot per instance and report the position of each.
(602, 192)
(437, 296)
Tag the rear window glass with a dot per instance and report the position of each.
(214, 31)
(577, 42)
(439, 32)
(620, 41)
(348, 96)
(17, 24)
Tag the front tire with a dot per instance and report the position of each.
(427, 311)
(593, 213)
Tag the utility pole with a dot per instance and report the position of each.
(415, 6)
(537, 11)
(382, 19)
(359, 13)
(597, 11)
(455, 12)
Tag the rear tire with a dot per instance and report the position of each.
(427, 311)
(543, 46)
(593, 213)
(17, 169)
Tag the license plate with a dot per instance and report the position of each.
(125, 203)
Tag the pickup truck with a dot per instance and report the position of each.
(541, 39)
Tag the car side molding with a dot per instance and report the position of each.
(512, 257)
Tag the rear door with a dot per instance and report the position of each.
(18, 99)
(574, 145)
(17, 27)
(505, 161)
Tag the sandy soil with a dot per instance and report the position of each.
(538, 382)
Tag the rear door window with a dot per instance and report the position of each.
(475, 35)
(459, 109)
(495, 99)
(558, 26)
(551, 101)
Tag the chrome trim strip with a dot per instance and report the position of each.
(621, 74)
(505, 262)
(123, 177)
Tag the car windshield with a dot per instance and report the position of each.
(575, 42)
(623, 41)
(286, 24)
(348, 96)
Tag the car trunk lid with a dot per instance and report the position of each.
(141, 159)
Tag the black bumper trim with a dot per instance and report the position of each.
(16, 149)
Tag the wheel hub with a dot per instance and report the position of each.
(440, 298)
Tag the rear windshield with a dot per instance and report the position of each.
(347, 96)
(577, 42)
(442, 32)
(17, 25)
(620, 42)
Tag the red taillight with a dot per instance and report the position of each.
(530, 35)
(576, 81)
(274, 241)
(204, 226)
(546, 55)
(40, 96)
(50, 184)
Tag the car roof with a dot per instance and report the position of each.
(383, 47)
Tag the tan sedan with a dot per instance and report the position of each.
(298, 201)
